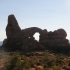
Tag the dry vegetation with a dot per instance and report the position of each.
(34, 61)
(2, 59)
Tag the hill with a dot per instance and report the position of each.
(0, 43)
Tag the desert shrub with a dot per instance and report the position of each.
(51, 63)
(47, 60)
(60, 59)
(25, 64)
(34, 60)
(13, 64)
(60, 62)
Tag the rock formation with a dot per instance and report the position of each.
(18, 39)
(62, 32)
(12, 28)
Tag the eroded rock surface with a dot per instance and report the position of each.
(12, 29)
(18, 39)
(62, 32)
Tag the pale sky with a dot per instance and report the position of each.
(45, 14)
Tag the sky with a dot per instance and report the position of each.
(45, 14)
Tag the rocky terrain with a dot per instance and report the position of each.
(36, 61)
(23, 40)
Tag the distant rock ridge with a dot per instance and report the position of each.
(18, 39)
(0, 43)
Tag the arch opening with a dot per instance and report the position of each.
(36, 36)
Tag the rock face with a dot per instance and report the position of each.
(62, 32)
(29, 32)
(55, 40)
(12, 28)
(18, 39)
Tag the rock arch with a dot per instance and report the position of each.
(17, 38)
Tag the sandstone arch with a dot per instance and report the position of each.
(18, 39)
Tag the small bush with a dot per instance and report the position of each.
(13, 63)
(60, 62)
(25, 64)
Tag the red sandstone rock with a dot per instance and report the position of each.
(18, 39)
(62, 32)
(12, 27)
(29, 32)
(33, 46)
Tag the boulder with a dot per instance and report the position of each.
(62, 32)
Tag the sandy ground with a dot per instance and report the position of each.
(1, 63)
